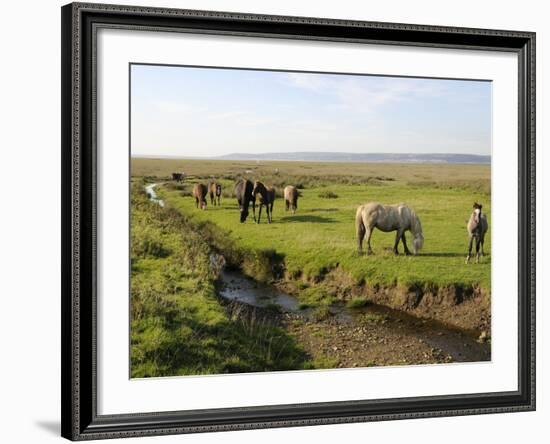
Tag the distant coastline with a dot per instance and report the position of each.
(444, 158)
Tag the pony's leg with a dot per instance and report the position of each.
(368, 231)
(469, 249)
(260, 213)
(287, 205)
(482, 242)
(360, 236)
(271, 211)
(196, 202)
(254, 209)
(398, 236)
(407, 251)
(478, 244)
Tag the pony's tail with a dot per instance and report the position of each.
(359, 228)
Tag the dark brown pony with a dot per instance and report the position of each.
(243, 192)
(215, 193)
(200, 191)
(477, 227)
(267, 198)
(178, 177)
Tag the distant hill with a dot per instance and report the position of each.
(361, 157)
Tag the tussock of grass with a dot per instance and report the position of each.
(328, 195)
(321, 313)
(357, 302)
(373, 318)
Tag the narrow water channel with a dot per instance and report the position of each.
(150, 190)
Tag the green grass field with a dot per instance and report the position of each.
(321, 235)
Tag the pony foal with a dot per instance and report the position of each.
(477, 227)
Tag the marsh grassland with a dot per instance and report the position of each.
(430, 308)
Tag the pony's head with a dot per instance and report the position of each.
(256, 187)
(418, 237)
(477, 211)
(203, 204)
(244, 214)
(418, 243)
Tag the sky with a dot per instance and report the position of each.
(204, 112)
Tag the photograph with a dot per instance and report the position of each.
(305, 221)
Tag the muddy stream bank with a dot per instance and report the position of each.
(371, 335)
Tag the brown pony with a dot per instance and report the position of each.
(215, 193)
(199, 193)
(267, 197)
(477, 227)
(291, 198)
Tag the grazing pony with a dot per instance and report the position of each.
(477, 227)
(178, 177)
(387, 218)
(215, 193)
(291, 198)
(267, 197)
(243, 192)
(200, 191)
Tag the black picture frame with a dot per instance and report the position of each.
(80, 420)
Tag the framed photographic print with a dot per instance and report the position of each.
(278, 221)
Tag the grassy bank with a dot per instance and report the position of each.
(178, 324)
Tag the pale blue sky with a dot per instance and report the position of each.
(181, 111)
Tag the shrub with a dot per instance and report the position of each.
(328, 195)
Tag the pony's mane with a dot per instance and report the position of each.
(416, 226)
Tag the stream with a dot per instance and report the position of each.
(351, 337)
(150, 190)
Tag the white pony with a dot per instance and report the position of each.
(387, 218)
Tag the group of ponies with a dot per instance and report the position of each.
(247, 192)
(200, 191)
(386, 218)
